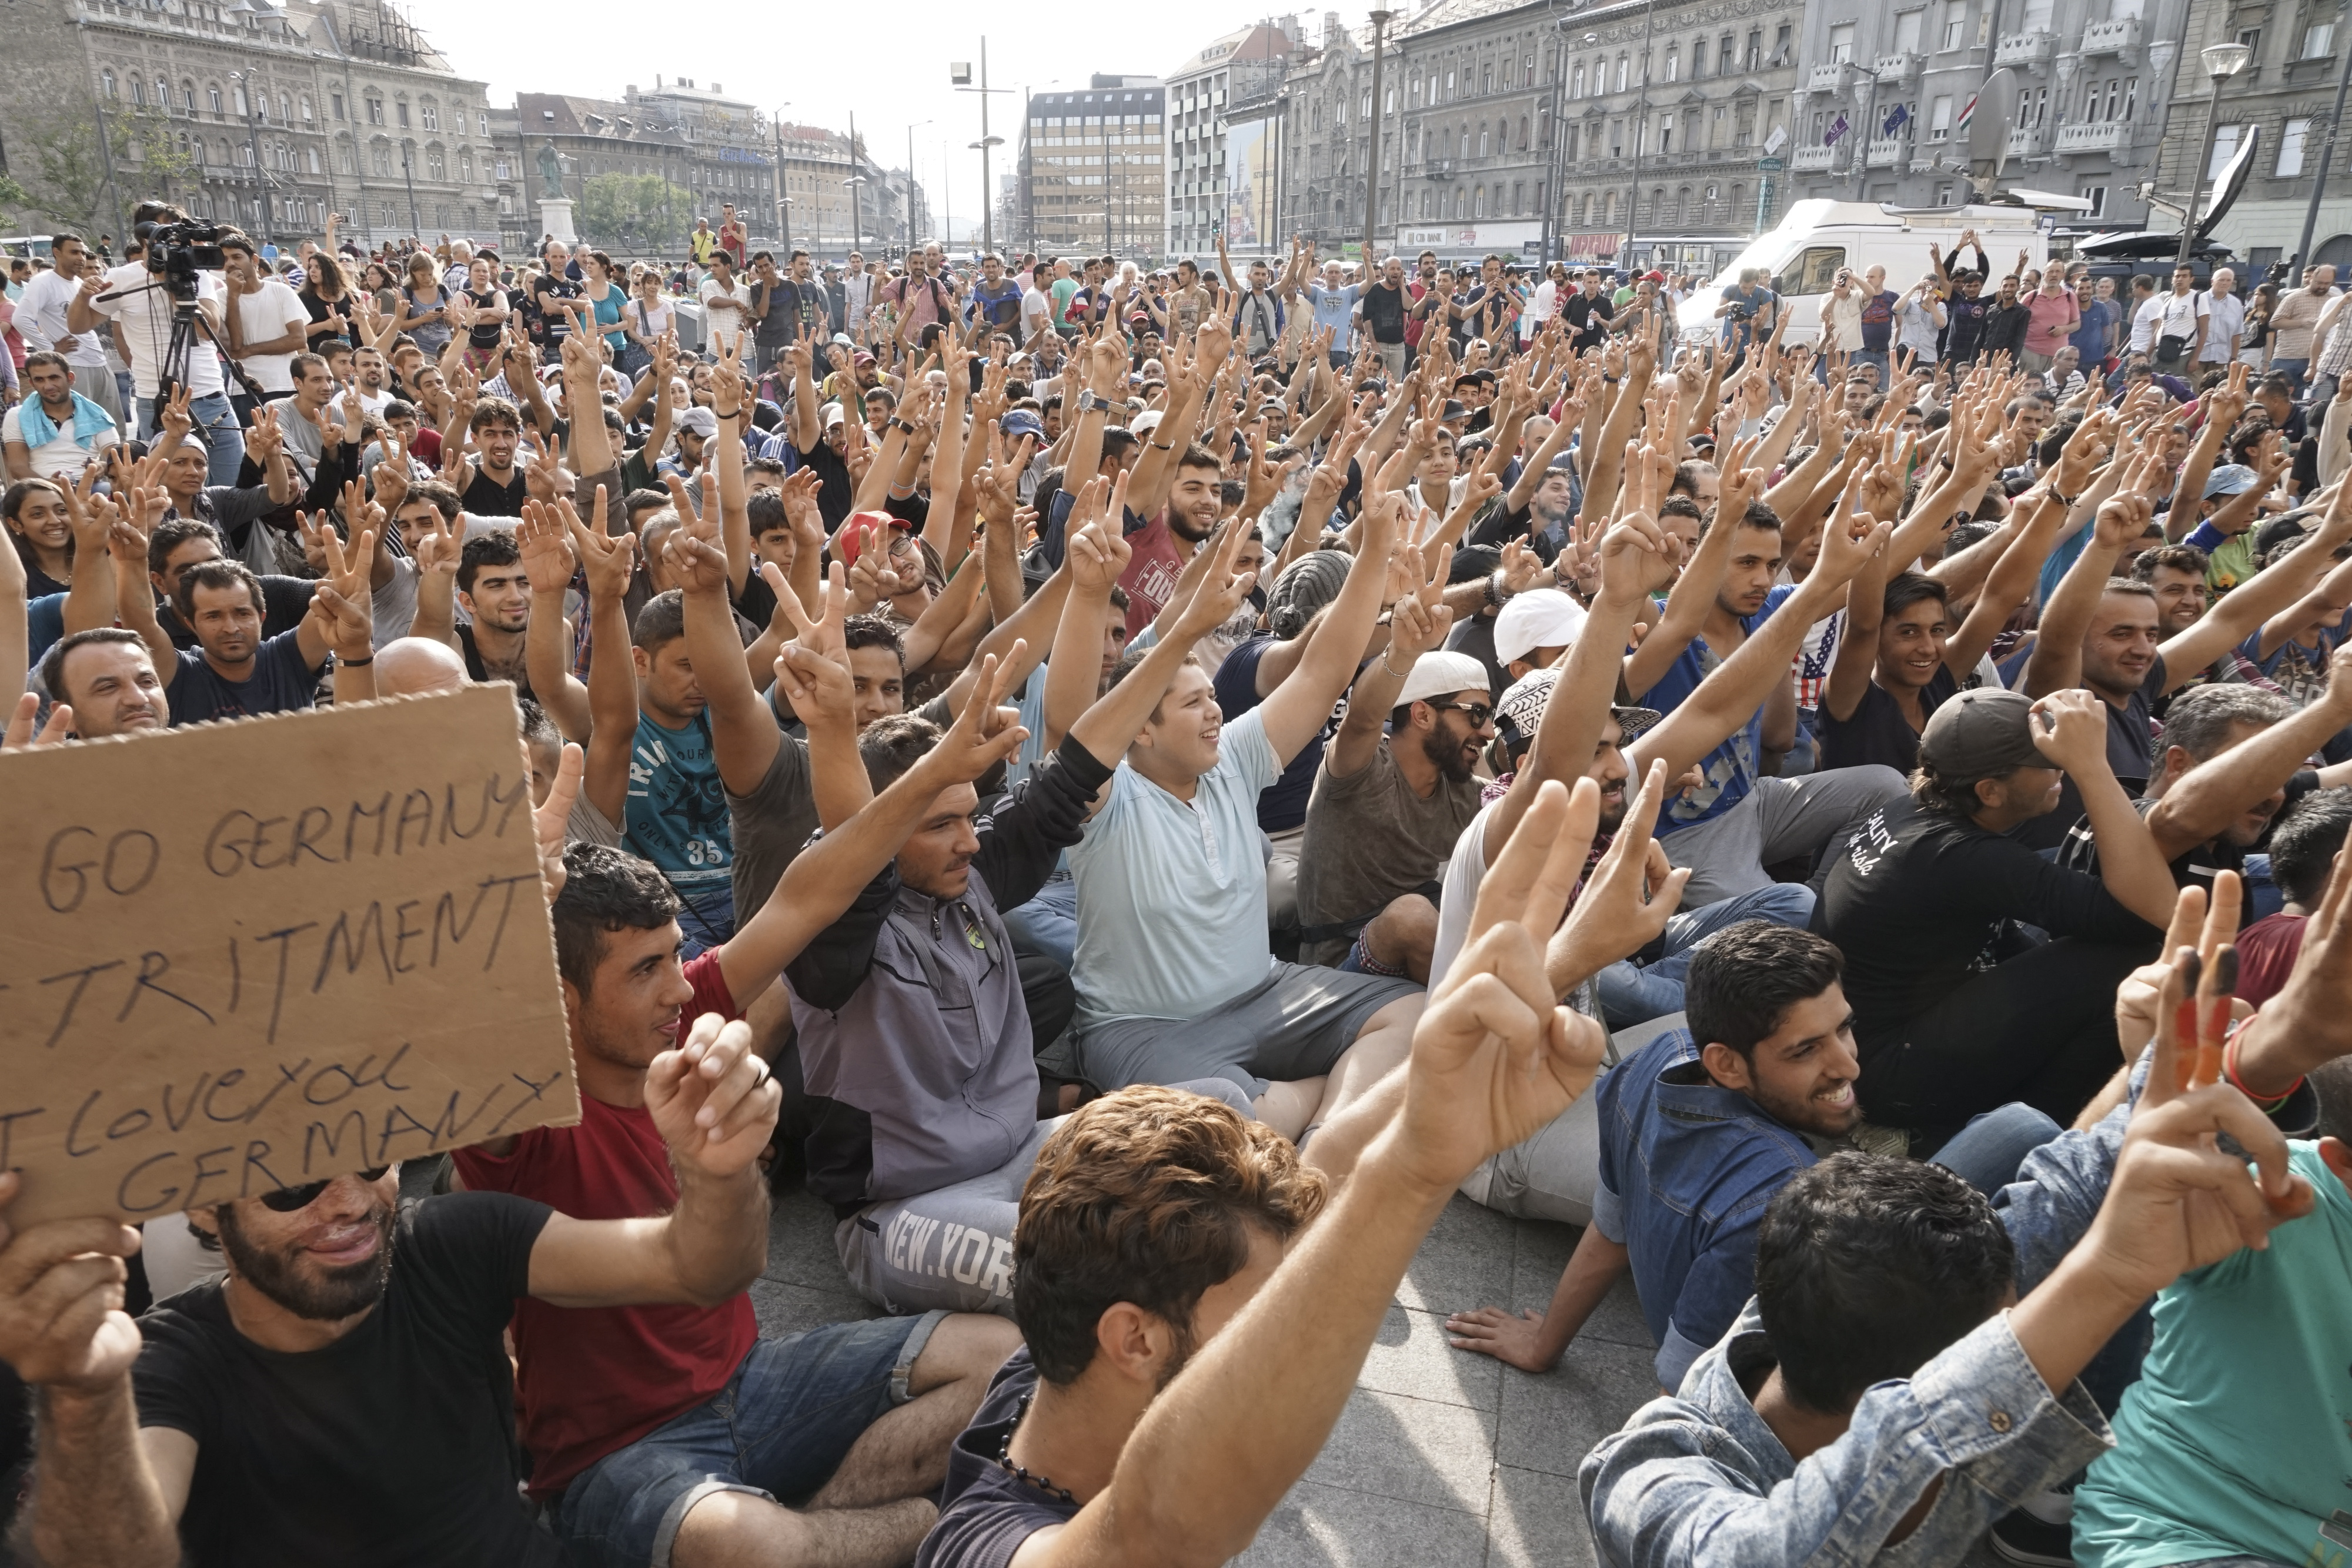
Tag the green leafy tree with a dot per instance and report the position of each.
(69, 166)
(634, 210)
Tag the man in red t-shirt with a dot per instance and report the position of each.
(669, 1433)
(732, 236)
(1164, 545)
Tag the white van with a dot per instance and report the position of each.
(1819, 237)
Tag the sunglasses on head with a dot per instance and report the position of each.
(293, 1199)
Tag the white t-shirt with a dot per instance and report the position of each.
(264, 314)
(2229, 314)
(146, 316)
(63, 457)
(375, 402)
(1036, 311)
(655, 322)
(41, 321)
(726, 312)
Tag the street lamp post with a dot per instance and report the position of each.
(407, 175)
(1372, 167)
(987, 204)
(250, 86)
(1641, 128)
(784, 202)
(2222, 61)
(961, 75)
(911, 235)
(857, 229)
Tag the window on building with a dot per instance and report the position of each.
(1620, 73)
(2097, 197)
(402, 109)
(1841, 42)
(2319, 40)
(213, 98)
(432, 112)
(1674, 63)
(1577, 81)
(2131, 96)
(106, 86)
(1909, 27)
(335, 105)
(1449, 87)
(1728, 56)
(2292, 137)
(1755, 49)
(481, 123)
(381, 156)
(2225, 144)
(1487, 79)
(1955, 24)
(1482, 142)
(375, 111)
(435, 164)
(237, 97)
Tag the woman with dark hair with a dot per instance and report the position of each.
(327, 298)
(41, 525)
(420, 309)
(375, 280)
(602, 288)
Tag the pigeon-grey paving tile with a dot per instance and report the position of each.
(1550, 1422)
(1543, 1251)
(1414, 1450)
(1536, 1521)
(786, 1309)
(1466, 1254)
(1410, 1356)
(1324, 1527)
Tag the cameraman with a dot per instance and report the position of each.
(144, 308)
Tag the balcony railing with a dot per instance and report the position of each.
(2112, 38)
(1813, 160)
(1886, 155)
(2103, 138)
(1900, 66)
(1828, 77)
(2027, 140)
(2032, 49)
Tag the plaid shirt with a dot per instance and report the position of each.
(2336, 357)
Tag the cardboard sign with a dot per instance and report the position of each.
(242, 956)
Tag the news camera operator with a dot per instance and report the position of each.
(181, 263)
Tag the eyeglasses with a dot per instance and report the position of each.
(294, 1199)
(1480, 714)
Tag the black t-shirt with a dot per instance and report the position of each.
(1590, 315)
(986, 1510)
(394, 1445)
(2202, 864)
(320, 310)
(1384, 313)
(486, 334)
(835, 492)
(479, 672)
(554, 321)
(1919, 894)
(2131, 753)
(485, 497)
(1878, 732)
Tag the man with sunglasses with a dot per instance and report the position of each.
(1387, 809)
(317, 1403)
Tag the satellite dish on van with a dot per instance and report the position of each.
(1996, 110)
(2233, 180)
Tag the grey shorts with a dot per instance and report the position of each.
(1292, 1024)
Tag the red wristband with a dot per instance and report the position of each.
(2230, 1072)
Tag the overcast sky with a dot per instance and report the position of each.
(816, 64)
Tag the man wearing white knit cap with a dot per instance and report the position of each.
(1387, 808)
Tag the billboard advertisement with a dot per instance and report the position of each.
(1249, 186)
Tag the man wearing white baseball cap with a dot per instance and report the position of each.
(1388, 808)
(1534, 629)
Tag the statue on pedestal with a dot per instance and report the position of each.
(550, 170)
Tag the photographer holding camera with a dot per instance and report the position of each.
(144, 295)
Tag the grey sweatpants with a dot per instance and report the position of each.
(1779, 819)
(952, 1249)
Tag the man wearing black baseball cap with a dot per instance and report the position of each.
(1932, 885)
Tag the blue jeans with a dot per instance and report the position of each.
(216, 426)
(2293, 369)
(779, 1429)
(1987, 1152)
(1048, 923)
(1633, 993)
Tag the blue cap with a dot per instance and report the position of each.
(2230, 479)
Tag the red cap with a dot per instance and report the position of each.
(852, 537)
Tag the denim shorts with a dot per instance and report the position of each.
(779, 1430)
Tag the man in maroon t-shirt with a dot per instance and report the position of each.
(1162, 546)
(674, 1433)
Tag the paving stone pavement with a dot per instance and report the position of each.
(1442, 1460)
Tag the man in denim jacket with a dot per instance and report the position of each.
(1875, 1403)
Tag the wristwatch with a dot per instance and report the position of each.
(1090, 400)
